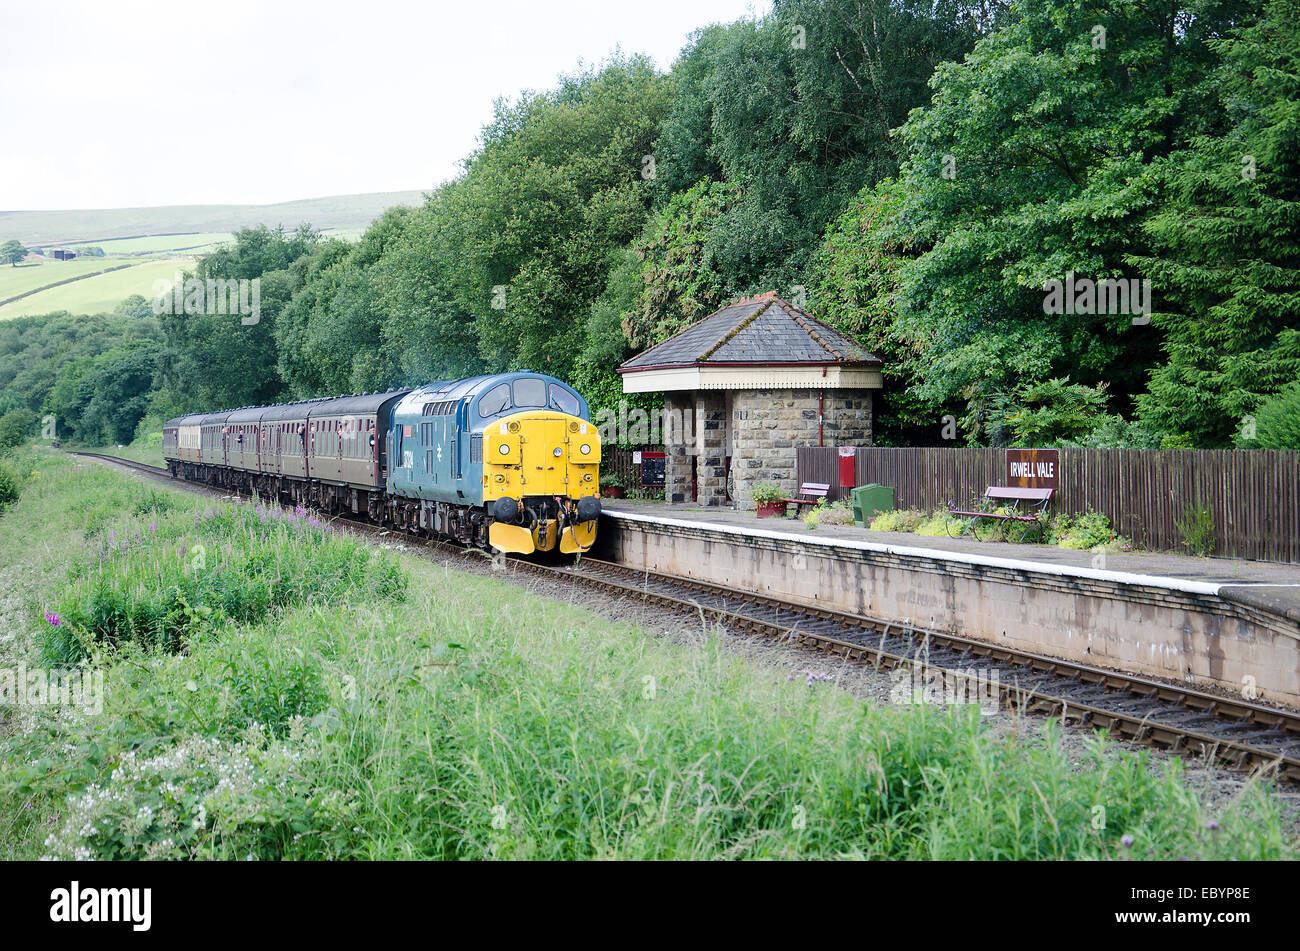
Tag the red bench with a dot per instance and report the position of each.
(810, 493)
(1036, 501)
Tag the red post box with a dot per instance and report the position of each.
(848, 467)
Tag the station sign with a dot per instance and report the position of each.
(653, 469)
(1034, 468)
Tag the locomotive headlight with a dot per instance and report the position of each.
(503, 449)
(585, 449)
(558, 452)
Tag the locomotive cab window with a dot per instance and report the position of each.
(494, 401)
(530, 392)
(563, 400)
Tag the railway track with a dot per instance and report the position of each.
(1234, 732)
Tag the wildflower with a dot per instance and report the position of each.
(53, 617)
(1212, 825)
(1126, 841)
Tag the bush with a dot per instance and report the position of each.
(940, 523)
(899, 520)
(834, 513)
(10, 487)
(16, 427)
(1196, 528)
(1083, 532)
(764, 492)
(155, 503)
(1114, 432)
(1277, 423)
(200, 797)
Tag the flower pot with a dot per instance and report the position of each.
(612, 492)
(768, 509)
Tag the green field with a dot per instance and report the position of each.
(29, 277)
(193, 243)
(100, 294)
(159, 243)
(147, 259)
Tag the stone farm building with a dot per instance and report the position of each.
(746, 386)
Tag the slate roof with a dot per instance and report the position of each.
(756, 330)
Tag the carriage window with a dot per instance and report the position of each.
(529, 392)
(563, 400)
(494, 400)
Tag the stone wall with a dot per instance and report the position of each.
(771, 424)
(1200, 639)
(848, 418)
(768, 426)
(711, 447)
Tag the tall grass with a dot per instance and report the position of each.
(472, 719)
(159, 581)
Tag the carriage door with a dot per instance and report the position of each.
(341, 434)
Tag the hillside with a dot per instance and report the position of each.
(336, 212)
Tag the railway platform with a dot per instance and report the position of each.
(1224, 623)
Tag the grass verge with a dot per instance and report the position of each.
(467, 718)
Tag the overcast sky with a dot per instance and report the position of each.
(117, 104)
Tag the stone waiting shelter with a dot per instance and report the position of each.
(746, 386)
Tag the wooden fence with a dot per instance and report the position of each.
(1253, 497)
(618, 460)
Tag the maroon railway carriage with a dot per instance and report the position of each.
(325, 452)
(346, 451)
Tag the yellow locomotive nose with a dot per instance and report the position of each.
(543, 455)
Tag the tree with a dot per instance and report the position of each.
(34, 350)
(796, 110)
(682, 279)
(216, 360)
(1033, 161)
(16, 427)
(99, 400)
(134, 306)
(854, 285)
(1227, 245)
(12, 251)
(515, 251)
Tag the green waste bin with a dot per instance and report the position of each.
(870, 499)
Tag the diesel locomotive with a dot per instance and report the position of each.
(510, 460)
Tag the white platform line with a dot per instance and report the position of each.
(1067, 571)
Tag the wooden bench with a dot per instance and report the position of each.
(1036, 501)
(810, 493)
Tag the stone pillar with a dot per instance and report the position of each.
(711, 446)
(679, 445)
